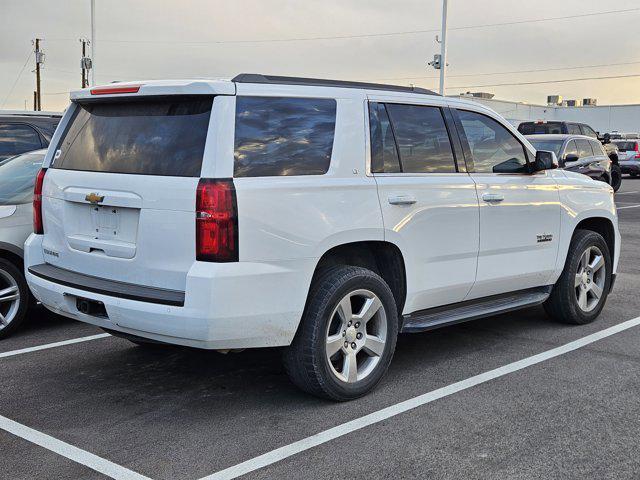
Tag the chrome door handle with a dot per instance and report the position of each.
(492, 197)
(401, 200)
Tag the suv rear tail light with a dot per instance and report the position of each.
(216, 221)
(38, 226)
(637, 150)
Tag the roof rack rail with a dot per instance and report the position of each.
(319, 82)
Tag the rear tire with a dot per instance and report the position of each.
(347, 336)
(580, 293)
(14, 298)
(616, 177)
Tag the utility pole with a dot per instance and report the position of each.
(39, 61)
(443, 47)
(85, 63)
(93, 41)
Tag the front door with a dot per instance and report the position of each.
(519, 211)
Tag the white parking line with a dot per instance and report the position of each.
(325, 436)
(626, 193)
(629, 206)
(53, 345)
(76, 454)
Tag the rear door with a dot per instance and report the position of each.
(519, 211)
(119, 196)
(429, 204)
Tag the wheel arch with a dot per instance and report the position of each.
(603, 226)
(383, 258)
(12, 254)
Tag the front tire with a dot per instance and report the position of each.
(347, 336)
(14, 298)
(580, 293)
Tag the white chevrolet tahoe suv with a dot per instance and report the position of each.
(320, 216)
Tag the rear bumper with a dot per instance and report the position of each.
(230, 305)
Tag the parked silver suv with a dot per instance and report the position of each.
(17, 179)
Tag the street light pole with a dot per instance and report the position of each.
(443, 46)
(93, 42)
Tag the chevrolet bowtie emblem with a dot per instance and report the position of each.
(94, 198)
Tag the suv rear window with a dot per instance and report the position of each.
(626, 146)
(148, 137)
(278, 136)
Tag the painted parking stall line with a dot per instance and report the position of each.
(325, 436)
(76, 454)
(53, 345)
(628, 206)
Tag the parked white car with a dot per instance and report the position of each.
(17, 180)
(316, 215)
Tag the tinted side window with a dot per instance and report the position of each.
(494, 148)
(597, 148)
(584, 148)
(278, 136)
(571, 149)
(573, 129)
(384, 154)
(588, 131)
(16, 138)
(422, 137)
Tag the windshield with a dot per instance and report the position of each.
(626, 146)
(17, 178)
(548, 145)
(163, 136)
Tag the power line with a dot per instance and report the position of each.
(17, 78)
(564, 80)
(536, 70)
(365, 35)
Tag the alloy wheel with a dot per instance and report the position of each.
(590, 279)
(9, 299)
(356, 336)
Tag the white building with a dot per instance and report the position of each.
(602, 118)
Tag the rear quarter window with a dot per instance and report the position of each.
(148, 137)
(278, 136)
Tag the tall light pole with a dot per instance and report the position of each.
(93, 42)
(443, 46)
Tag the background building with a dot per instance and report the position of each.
(603, 118)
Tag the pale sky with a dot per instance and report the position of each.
(149, 39)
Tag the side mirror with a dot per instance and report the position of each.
(571, 157)
(545, 161)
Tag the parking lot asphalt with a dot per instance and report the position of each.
(169, 413)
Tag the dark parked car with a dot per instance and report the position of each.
(575, 128)
(576, 153)
(25, 131)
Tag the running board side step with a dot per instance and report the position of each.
(473, 309)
